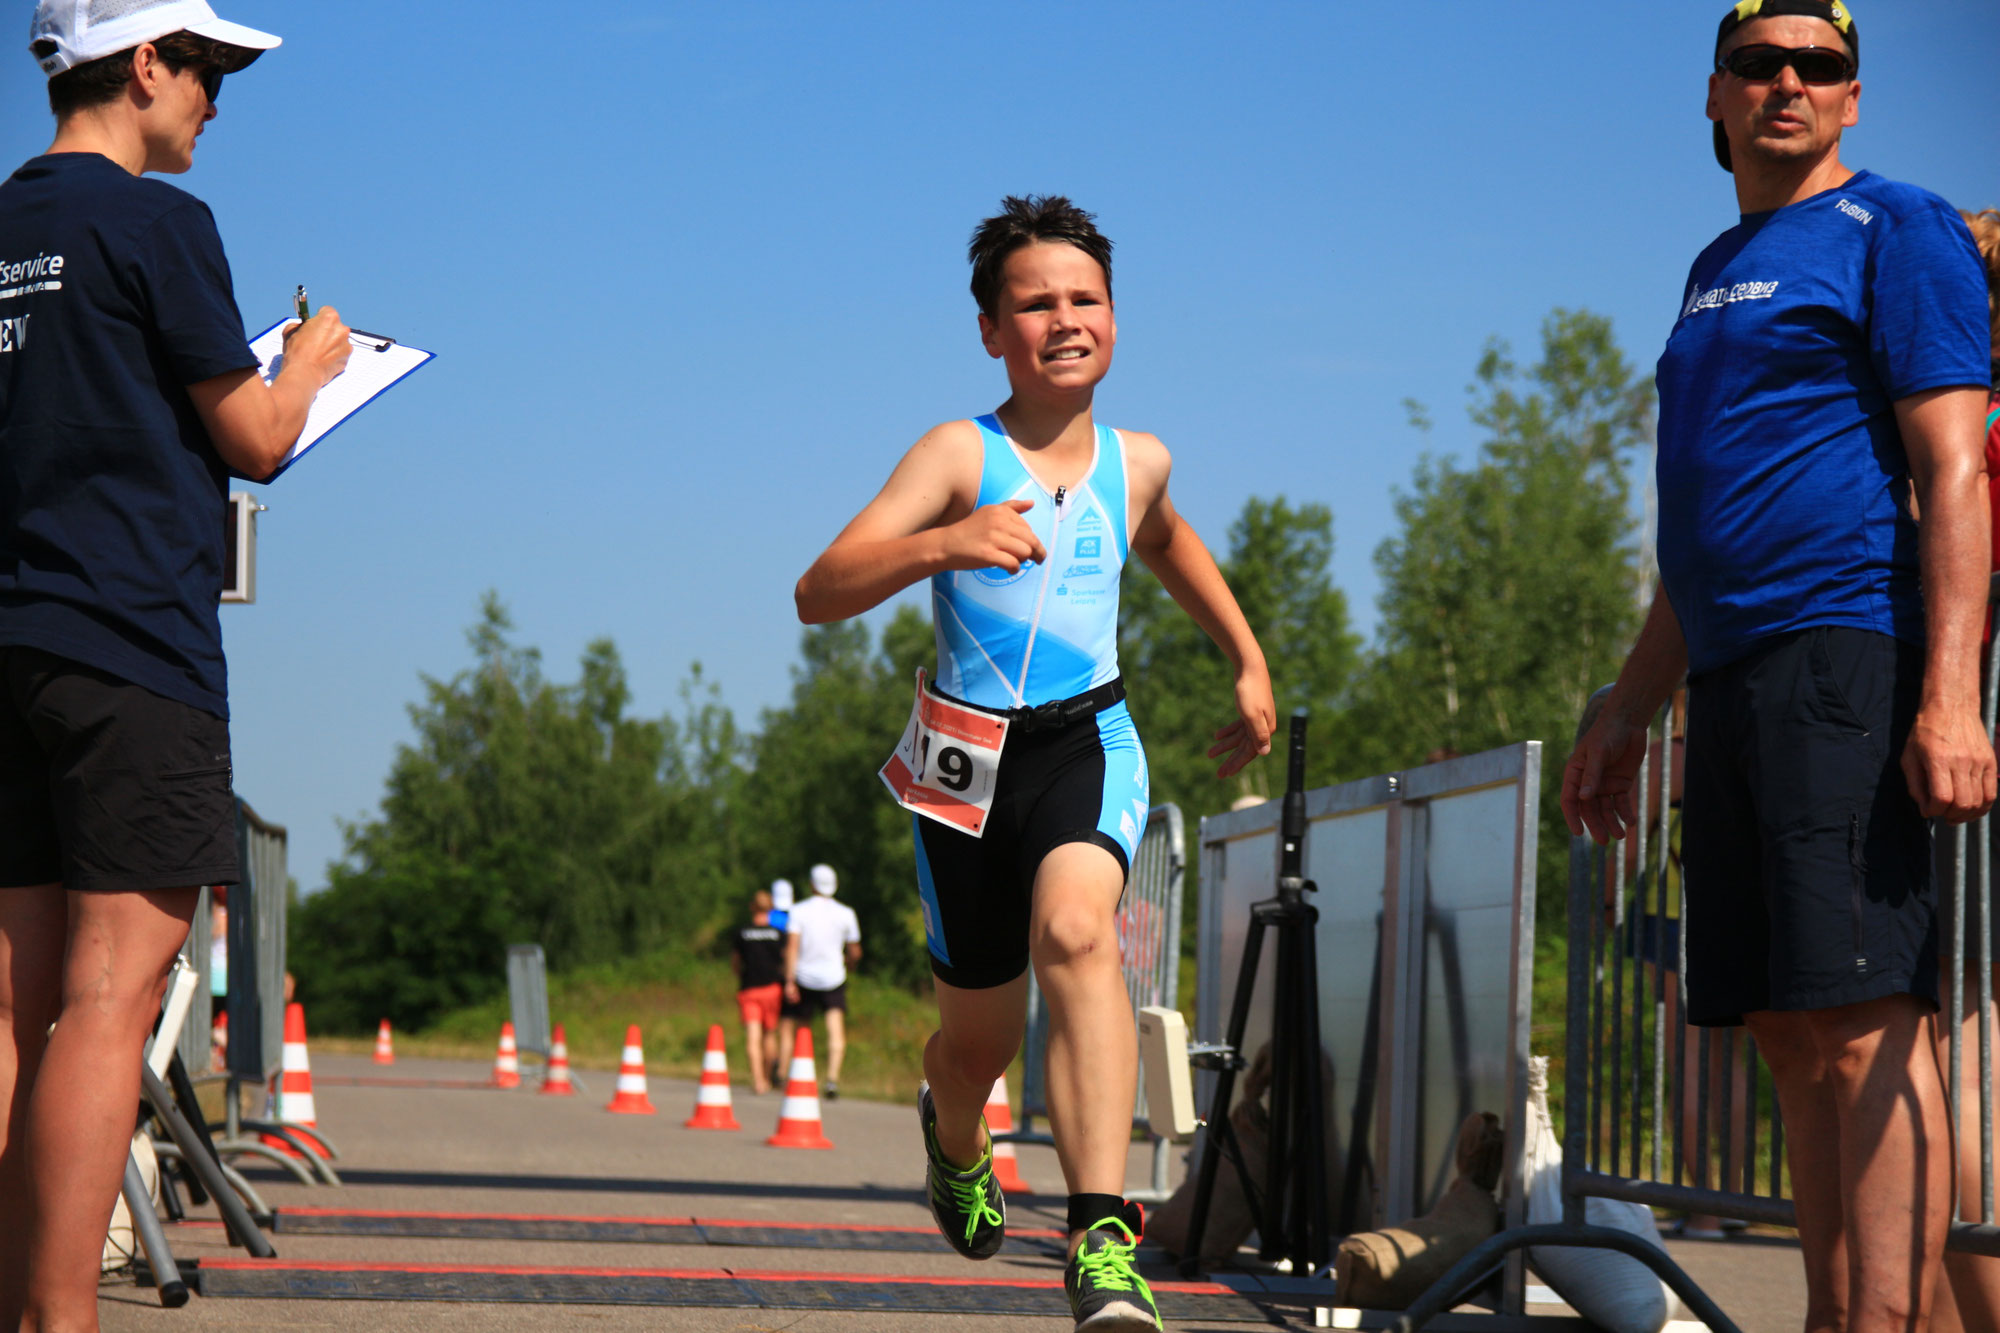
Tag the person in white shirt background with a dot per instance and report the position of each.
(822, 940)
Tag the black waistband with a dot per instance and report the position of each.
(1056, 713)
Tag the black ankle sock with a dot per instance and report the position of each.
(1087, 1210)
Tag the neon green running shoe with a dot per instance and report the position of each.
(968, 1205)
(1105, 1295)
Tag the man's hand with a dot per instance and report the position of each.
(791, 992)
(321, 343)
(1948, 763)
(994, 535)
(1256, 717)
(1599, 780)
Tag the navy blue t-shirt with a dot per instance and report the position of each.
(114, 297)
(1781, 467)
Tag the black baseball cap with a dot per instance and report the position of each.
(1835, 12)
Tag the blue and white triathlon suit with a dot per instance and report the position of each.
(1017, 644)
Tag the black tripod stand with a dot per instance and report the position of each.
(1291, 1212)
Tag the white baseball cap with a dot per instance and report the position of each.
(84, 30)
(822, 878)
(781, 894)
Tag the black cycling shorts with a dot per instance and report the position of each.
(1082, 782)
(812, 1003)
(1808, 865)
(105, 785)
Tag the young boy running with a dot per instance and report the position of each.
(1022, 520)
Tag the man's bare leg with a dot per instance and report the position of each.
(836, 1043)
(33, 924)
(1969, 1298)
(979, 1033)
(1812, 1151)
(80, 1112)
(1893, 1167)
(760, 1068)
(1093, 1054)
(781, 1059)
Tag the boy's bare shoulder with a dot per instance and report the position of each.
(1146, 459)
(950, 444)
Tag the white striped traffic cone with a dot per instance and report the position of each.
(1000, 1120)
(630, 1097)
(798, 1117)
(295, 1083)
(555, 1078)
(712, 1109)
(507, 1060)
(385, 1048)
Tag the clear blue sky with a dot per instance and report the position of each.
(695, 278)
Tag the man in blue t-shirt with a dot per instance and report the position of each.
(1828, 369)
(128, 396)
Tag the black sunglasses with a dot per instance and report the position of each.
(1761, 63)
(211, 81)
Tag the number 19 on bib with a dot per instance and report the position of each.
(945, 766)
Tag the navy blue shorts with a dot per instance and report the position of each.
(1084, 782)
(1808, 865)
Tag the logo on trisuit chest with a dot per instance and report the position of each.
(13, 333)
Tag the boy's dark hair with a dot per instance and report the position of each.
(1037, 217)
(96, 82)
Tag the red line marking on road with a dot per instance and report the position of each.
(741, 1274)
(390, 1081)
(1035, 1233)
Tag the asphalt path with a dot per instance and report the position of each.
(453, 1146)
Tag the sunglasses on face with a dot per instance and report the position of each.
(211, 80)
(1762, 63)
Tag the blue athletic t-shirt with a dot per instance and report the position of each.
(114, 297)
(1781, 468)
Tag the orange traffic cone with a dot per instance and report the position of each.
(1000, 1120)
(295, 1083)
(798, 1117)
(555, 1079)
(712, 1109)
(385, 1049)
(507, 1060)
(630, 1097)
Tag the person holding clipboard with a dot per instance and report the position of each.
(128, 397)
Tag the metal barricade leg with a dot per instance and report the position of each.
(153, 1239)
(242, 1229)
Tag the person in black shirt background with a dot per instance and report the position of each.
(758, 955)
(128, 396)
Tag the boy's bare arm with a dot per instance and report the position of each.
(921, 523)
(1177, 556)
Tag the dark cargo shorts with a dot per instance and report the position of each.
(105, 785)
(1808, 881)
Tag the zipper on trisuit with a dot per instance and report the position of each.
(1041, 595)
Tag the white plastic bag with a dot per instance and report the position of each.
(1612, 1290)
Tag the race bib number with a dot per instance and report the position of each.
(945, 766)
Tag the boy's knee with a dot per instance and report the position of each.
(1077, 935)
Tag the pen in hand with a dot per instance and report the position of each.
(305, 311)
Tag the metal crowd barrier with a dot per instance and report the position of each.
(528, 998)
(1149, 939)
(1425, 942)
(1686, 1119)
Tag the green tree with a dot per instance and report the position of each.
(1279, 564)
(1510, 591)
(523, 810)
(812, 794)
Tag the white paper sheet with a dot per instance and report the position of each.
(371, 369)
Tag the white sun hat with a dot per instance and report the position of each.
(68, 33)
(822, 879)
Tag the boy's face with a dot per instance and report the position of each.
(1052, 323)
